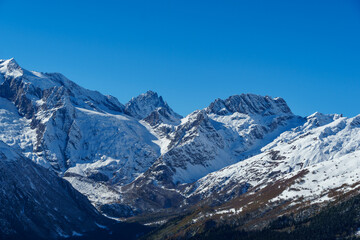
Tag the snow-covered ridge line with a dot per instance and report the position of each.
(143, 156)
(328, 140)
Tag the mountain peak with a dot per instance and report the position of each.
(151, 96)
(24, 88)
(143, 105)
(10, 67)
(318, 119)
(8, 61)
(149, 93)
(249, 104)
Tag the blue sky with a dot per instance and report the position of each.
(192, 52)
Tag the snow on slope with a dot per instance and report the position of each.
(205, 142)
(9, 68)
(61, 125)
(326, 145)
(116, 148)
(340, 174)
(16, 130)
(210, 139)
(81, 134)
(128, 154)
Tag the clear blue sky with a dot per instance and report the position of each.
(191, 52)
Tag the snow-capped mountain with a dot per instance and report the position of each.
(144, 105)
(143, 157)
(206, 141)
(61, 125)
(99, 144)
(294, 177)
(325, 145)
(210, 139)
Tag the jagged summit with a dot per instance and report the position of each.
(319, 119)
(10, 61)
(145, 104)
(10, 68)
(26, 88)
(322, 115)
(249, 104)
(150, 94)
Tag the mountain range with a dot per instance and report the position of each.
(75, 161)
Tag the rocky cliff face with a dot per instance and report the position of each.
(249, 104)
(142, 106)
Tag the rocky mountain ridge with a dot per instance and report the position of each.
(143, 158)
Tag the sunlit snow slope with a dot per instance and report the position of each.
(142, 157)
